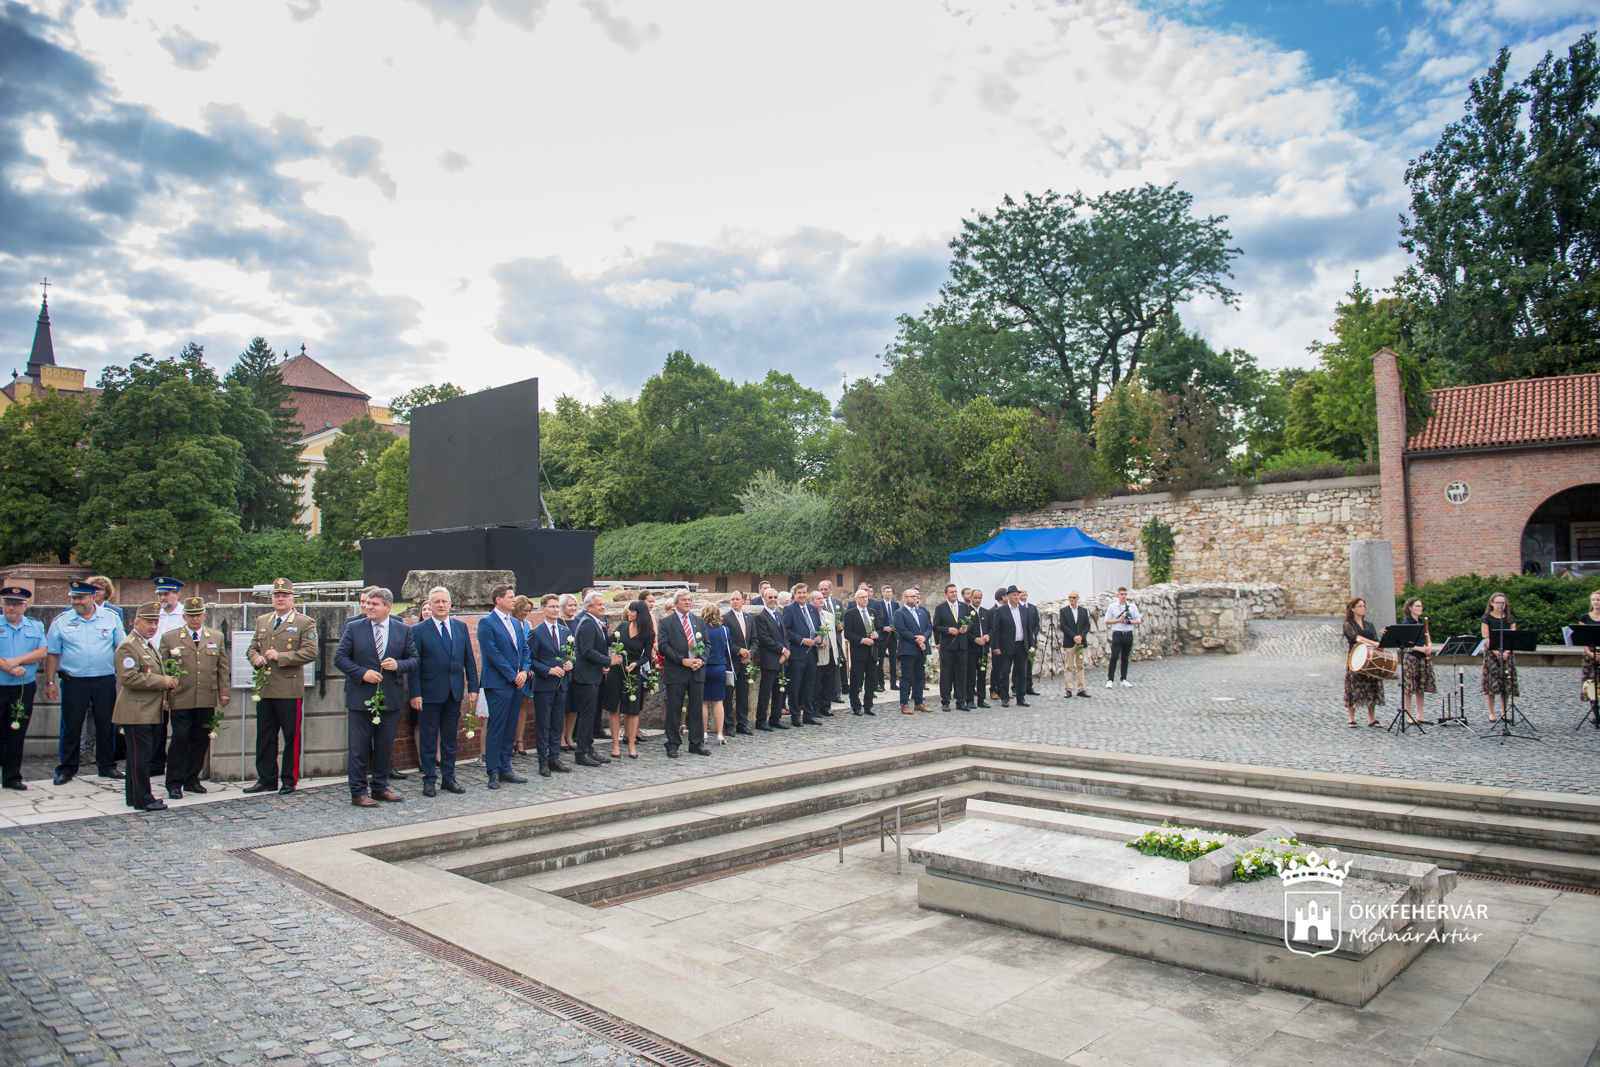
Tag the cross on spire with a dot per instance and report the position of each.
(46, 286)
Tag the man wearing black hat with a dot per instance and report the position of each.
(1010, 630)
(145, 686)
(82, 645)
(202, 672)
(22, 648)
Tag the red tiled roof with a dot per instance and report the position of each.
(318, 411)
(1505, 414)
(303, 372)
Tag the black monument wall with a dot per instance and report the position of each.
(544, 561)
(475, 460)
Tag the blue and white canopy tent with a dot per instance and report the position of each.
(1047, 563)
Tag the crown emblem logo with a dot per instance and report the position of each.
(1313, 868)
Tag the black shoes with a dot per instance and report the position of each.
(855, 711)
(983, 703)
(672, 751)
(494, 782)
(449, 786)
(544, 770)
(175, 794)
(810, 720)
(513, 778)
(63, 779)
(700, 750)
(1021, 703)
(399, 774)
(194, 786)
(260, 787)
(1084, 693)
(1005, 703)
(1069, 694)
(154, 805)
(869, 711)
(429, 789)
(779, 725)
(763, 727)
(743, 729)
(559, 767)
(585, 760)
(116, 774)
(285, 789)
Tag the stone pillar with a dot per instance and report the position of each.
(1372, 579)
(1391, 455)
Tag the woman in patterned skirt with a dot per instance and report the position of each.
(1416, 665)
(1360, 688)
(1499, 668)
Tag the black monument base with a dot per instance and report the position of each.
(544, 561)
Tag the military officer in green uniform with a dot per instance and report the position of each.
(287, 640)
(198, 652)
(144, 689)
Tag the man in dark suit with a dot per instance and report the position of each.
(978, 641)
(446, 673)
(838, 686)
(683, 674)
(862, 635)
(546, 643)
(741, 639)
(504, 647)
(950, 628)
(1030, 619)
(772, 651)
(588, 673)
(803, 625)
(914, 631)
(375, 654)
(1010, 649)
(1075, 641)
(888, 651)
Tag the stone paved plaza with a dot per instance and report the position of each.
(141, 938)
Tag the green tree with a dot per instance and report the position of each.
(387, 511)
(699, 439)
(581, 448)
(901, 474)
(261, 419)
(1085, 281)
(1505, 219)
(42, 456)
(1191, 438)
(1266, 416)
(1122, 426)
(809, 416)
(1010, 458)
(1305, 429)
(403, 405)
(966, 356)
(1177, 357)
(161, 472)
(344, 488)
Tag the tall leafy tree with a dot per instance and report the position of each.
(386, 513)
(161, 470)
(262, 420)
(42, 457)
(1122, 427)
(403, 405)
(1086, 281)
(581, 449)
(1266, 416)
(1505, 222)
(966, 356)
(1010, 458)
(1177, 357)
(1191, 438)
(901, 473)
(343, 490)
(809, 417)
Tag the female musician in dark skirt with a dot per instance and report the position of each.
(1590, 675)
(1416, 665)
(1499, 668)
(1360, 688)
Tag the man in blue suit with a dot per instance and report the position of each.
(375, 654)
(550, 667)
(803, 624)
(446, 673)
(911, 622)
(504, 648)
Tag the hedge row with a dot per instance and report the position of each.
(1543, 605)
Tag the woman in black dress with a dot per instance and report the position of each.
(1499, 668)
(1360, 688)
(1416, 664)
(1589, 676)
(638, 642)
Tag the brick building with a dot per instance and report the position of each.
(1504, 478)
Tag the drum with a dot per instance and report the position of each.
(1380, 663)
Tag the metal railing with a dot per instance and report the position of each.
(900, 810)
(317, 591)
(693, 587)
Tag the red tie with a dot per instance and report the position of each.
(688, 631)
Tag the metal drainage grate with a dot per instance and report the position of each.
(1528, 881)
(562, 1008)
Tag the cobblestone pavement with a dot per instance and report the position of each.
(140, 938)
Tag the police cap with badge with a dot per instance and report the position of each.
(168, 585)
(16, 594)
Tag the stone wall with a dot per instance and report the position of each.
(1175, 619)
(1294, 534)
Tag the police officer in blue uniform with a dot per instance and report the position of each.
(81, 644)
(22, 649)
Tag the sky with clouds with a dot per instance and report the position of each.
(489, 190)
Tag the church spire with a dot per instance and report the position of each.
(44, 351)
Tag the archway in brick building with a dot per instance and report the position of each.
(1563, 534)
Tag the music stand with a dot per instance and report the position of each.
(1458, 646)
(1511, 641)
(1588, 636)
(1404, 636)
